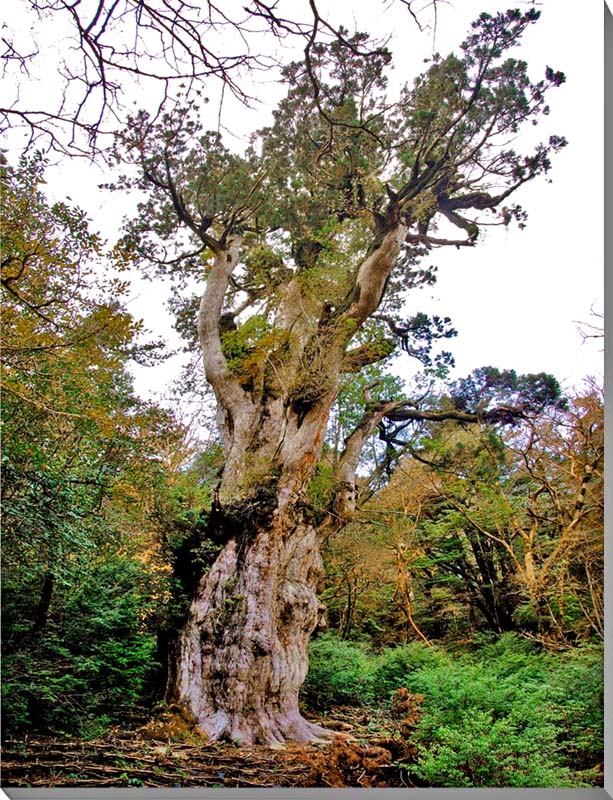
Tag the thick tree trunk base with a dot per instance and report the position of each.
(242, 655)
(270, 728)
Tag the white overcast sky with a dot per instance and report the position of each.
(516, 298)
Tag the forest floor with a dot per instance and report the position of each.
(366, 752)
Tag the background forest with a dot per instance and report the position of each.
(472, 577)
(463, 598)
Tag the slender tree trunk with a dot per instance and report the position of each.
(41, 614)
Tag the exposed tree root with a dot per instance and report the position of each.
(176, 756)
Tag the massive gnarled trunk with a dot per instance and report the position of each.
(242, 654)
(341, 184)
(243, 650)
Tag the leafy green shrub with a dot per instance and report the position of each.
(392, 666)
(577, 693)
(481, 750)
(570, 683)
(340, 673)
(508, 715)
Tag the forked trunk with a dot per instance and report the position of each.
(243, 652)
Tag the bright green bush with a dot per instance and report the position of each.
(577, 693)
(391, 667)
(509, 715)
(340, 673)
(480, 750)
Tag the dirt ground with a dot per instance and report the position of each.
(367, 752)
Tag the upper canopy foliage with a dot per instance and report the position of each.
(339, 166)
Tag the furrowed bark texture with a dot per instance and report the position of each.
(243, 651)
(242, 654)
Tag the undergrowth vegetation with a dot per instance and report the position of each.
(92, 663)
(502, 713)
